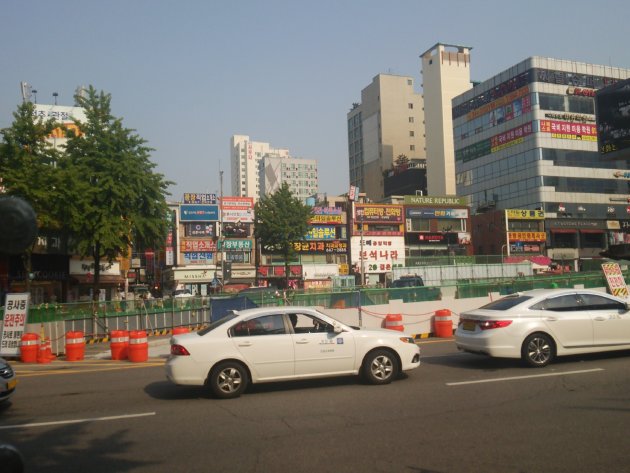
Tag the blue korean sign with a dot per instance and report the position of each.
(198, 213)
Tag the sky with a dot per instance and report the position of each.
(189, 74)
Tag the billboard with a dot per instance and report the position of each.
(238, 209)
(612, 114)
(199, 213)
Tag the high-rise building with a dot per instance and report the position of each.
(526, 139)
(300, 174)
(246, 163)
(445, 74)
(387, 124)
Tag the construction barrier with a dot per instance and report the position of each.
(29, 348)
(138, 346)
(443, 323)
(119, 344)
(178, 330)
(394, 322)
(44, 354)
(75, 346)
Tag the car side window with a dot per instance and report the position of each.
(595, 302)
(303, 323)
(569, 302)
(264, 325)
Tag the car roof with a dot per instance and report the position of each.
(544, 293)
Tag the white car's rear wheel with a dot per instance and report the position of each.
(228, 379)
(538, 350)
(380, 367)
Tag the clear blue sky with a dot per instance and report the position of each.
(187, 75)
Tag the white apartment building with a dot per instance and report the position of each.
(300, 174)
(246, 158)
(386, 124)
(445, 74)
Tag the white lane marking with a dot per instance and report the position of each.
(75, 421)
(494, 380)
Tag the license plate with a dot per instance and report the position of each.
(12, 384)
(469, 325)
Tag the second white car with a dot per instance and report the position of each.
(540, 324)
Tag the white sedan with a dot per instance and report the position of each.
(285, 343)
(538, 325)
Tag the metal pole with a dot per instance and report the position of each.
(507, 233)
(220, 240)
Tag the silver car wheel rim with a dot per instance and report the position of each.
(539, 351)
(229, 380)
(382, 367)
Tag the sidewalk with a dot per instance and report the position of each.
(159, 347)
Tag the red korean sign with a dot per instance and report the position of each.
(15, 315)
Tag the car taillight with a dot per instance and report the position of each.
(490, 324)
(179, 350)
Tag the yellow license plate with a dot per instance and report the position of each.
(469, 325)
(12, 384)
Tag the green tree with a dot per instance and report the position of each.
(28, 168)
(115, 198)
(281, 219)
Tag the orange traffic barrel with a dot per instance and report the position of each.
(178, 330)
(75, 346)
(443, 323)
(138, 346)
(119, 344)
(29, 348)
(44, 353)
(394, 322)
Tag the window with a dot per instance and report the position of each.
(265, 325)
(410, 106)
(409, 82)
(411, 120)
(595, 302)
(412, 133)
(303, 323)
(412, 147)
(566, 303)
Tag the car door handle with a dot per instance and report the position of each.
(245, 344)
(302, 341)
(551, 319)
(600, 318)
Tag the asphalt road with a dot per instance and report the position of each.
(456, 413)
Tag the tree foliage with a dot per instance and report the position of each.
(28, 165)
(115, 199)
(281, 219)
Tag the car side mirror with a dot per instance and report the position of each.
(337, 328)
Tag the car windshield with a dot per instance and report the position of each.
(506, 303)
(217, 323)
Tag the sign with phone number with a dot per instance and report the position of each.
(15, 315)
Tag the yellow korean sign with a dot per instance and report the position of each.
(524, 214)
(527, 236)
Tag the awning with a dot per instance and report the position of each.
(592, 230)
(563, 230)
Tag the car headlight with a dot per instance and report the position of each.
(407, 340)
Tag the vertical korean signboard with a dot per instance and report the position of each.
(15, 311)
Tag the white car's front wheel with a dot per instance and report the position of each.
(380, 367)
